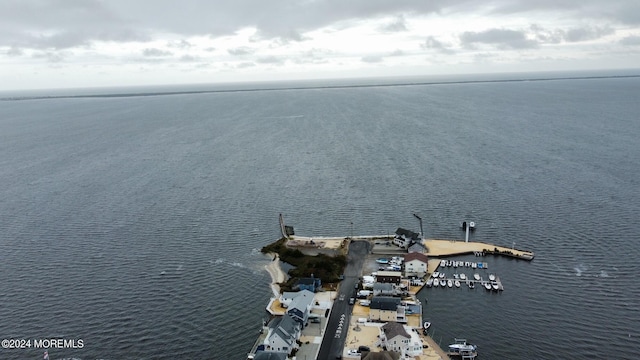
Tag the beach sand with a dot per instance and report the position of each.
(453, 247)
(277, 275)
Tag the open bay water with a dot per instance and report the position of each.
(135, 223)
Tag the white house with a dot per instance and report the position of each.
(387, 308)
(282, 335)
(287, 297)
(416, 264)
(400, 338)
(300, 307)
(404, 238)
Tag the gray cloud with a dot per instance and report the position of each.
(623, 11)
(182, 44)
(503, 38)
(398, 25)
(59, 24)
(153, 52)
(631, 40)
(371, 59)
(244, 65)
(89, 20)
(189, 58)
(241, 51)
(15, 51)
(575, 34)
(432, 43)
(587, 33)
(269, 60)
(52, 57)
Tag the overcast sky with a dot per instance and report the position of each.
(88, 43)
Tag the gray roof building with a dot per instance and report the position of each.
(270, 355)
(385, 303)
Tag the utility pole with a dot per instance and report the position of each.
(421, 231)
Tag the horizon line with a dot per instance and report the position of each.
(309, 87)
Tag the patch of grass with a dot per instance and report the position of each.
(327, 268)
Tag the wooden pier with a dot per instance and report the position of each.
(441, 248)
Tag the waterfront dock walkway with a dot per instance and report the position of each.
(441, 248)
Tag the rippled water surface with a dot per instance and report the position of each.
(135, 223)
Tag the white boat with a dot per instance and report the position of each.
(430, 282)
(456, 276)
(463, 276)
(487, 285)
(441, 275)
(476, 276)
(472, 285)
(494, 286)
(457, 283)
(461, 346)
(443, 283)
(382, 261)
(435, 274)
(426, 327)
(472, 225)
(492, 277)
(443, 262)
(449, 283)
(435, 282)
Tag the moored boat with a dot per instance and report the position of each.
(472, 285)
(443, 283)
(449, 283)
(435, 274)
(463, 276)
(476, 276)
(435, 282)
(460, 346)
(494, 286)
(492, 277)
(430, 282)
(457, 283)
(487, 286)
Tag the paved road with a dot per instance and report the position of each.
(338, 322)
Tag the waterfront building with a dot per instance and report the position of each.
(282, 335)
(415, 264)
(300, 307)
(386, 308)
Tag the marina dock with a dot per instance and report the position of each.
(440, 248)
(364, 331)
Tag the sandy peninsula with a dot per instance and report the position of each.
(277, 275)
